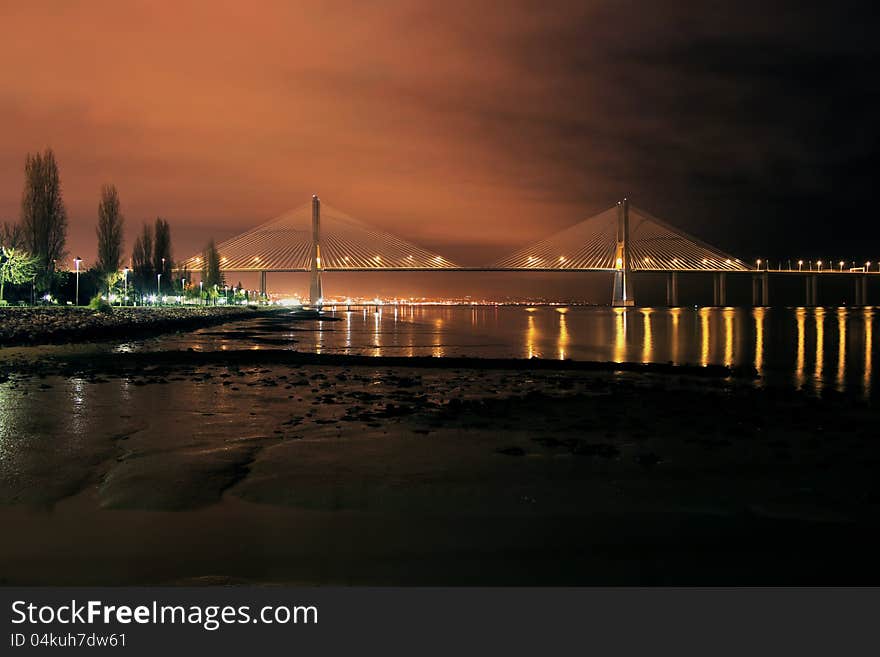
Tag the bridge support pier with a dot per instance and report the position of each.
(765, 289)
(756, 291)
(262, 285)
(622, 296)
(316, 289)
(861, 291)
(719, 289)
(672, 289)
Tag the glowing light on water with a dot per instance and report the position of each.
(647, 337)
(800, 318)
(562, 342)
(531, 338)
(728, 336)
(675, 317)
(820, 348)
(619, 335)
(704, 336)
(869, 345)
(841, 348)
(758, 314)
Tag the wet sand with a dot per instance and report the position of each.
(277, 467)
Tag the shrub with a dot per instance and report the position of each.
(100, 304)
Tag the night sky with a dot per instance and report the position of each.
(471, 128)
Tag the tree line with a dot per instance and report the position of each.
(33, 249)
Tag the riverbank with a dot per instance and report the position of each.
(231, 468)
(60, 324)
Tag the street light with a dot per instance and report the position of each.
(841, 265)
(201, 298)
(76, 262)
(158, 286)
(125, 285)
(819, 264)
(800, 265)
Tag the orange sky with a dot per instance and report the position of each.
(219, 116)
(469, 127)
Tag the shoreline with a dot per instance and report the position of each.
(33, 326)
(68, 365)
(179, 472)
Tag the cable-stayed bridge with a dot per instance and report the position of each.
(621, 240)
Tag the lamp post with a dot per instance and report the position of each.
(226, 293)
(182, 291)
(201, 298)
(800, 265)
(76, 262)
(125, 285)
(158, 287)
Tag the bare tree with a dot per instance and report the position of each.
(43, 216)
(162, 262)
(211, 274)
(11, 235)
(109, 231)
(142, 260)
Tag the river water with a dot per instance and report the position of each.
(815, 349)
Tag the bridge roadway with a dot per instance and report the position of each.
(760, 279)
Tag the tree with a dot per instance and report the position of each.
(43, 216)
(162, 262)
(109, 231)
(16, 267)
(212, 277)
(142, 274)
(11, 235)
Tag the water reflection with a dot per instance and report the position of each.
(728, 336)
(841, 348)
(531, 336)
(562, 342)
(704, 336)
(647, 337)
(820, 348)
(675, 318)
(619, 335)
(758, 314)
(869, 346)
(783, 345)
(800, 315)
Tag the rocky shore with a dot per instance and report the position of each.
(52, 325)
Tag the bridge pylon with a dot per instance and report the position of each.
(316, 289)
(622, 296)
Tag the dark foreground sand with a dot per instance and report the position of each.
(216, 468)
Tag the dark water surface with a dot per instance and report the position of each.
(815, 349)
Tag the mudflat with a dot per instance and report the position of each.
(229, 468)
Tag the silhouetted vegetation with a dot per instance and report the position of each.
(109, 232)
(162, 261)
(43, 215)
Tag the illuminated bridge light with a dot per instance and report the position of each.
(653, 244)
(284, 243)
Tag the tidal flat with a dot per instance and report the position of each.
(219, 468)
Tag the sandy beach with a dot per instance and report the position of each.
(276, 467)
